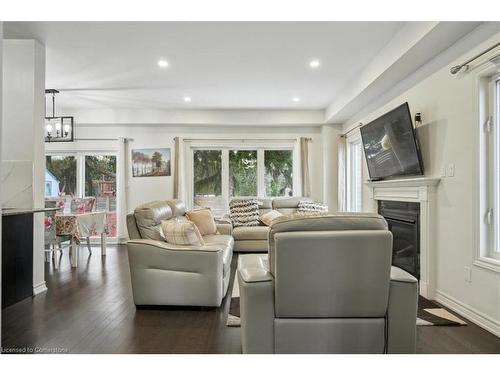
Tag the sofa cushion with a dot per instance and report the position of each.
(178, 207)
(148, 217)
(204, 220)
(250, 233)
(268, 217)
(288, 205)
(289, 202)
(244, 212)
(181, 232)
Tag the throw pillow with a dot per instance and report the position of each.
(244, 212)
(307, 206)
(268, 217)
(181, 232)
(204, 220)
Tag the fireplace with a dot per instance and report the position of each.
(403, 219)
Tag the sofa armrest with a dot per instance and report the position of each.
(224, 228)
(402, 312)
(256, 304)
(151, 254)
(164, 274)
(167, 246)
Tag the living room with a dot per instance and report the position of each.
(301, 187)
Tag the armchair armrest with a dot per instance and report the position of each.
(256, 304)
(165, 274)
(160, 255)
(402, 312)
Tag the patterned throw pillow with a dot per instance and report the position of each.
(306, 206)
(244, 212)
(181, 232)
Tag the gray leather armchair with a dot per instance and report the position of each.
(166, 274)
(327, 286)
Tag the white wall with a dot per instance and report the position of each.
(23, 99)
(330, 134)
(450, 126)
(142, 189)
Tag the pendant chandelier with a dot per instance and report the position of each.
(58, 128)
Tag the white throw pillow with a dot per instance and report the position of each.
(268, 217)
(181, 232)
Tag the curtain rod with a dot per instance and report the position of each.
(353, 129)
(455, 69)
(101, 139)
(242, 139)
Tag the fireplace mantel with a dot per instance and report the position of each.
(406, 182)
(420, 190)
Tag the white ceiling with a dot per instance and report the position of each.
(220, 65)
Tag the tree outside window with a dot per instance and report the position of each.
(278, 173)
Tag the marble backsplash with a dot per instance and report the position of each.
(17, 184)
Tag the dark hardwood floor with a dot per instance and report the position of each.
(90, 310)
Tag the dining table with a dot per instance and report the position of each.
(82, 226)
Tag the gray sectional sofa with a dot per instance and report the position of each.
(255, 239)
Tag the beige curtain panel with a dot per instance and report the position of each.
(121, 187)
(304, 167)
(176, 167)
(341, 144)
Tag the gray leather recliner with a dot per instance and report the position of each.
(166, 274)
(327, 286)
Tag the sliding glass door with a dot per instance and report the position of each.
(84, 174)
(60, 175)
(100, 182)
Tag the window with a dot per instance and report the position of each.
(488, 177)
(493, 144)
(354, 174)
(235, 170)
(207, 183)
(495, 119)
(279, 173)
(242, 173)
(83, 174)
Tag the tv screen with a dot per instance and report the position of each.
(391, 147)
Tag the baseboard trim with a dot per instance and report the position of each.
(468, 312)
(39, 288)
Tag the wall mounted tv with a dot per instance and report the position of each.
(391, 147)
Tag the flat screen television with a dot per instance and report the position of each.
(391, 146)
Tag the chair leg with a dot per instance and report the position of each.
(74, 254)
(88, 245)
(103, 244)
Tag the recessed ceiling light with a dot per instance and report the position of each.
(314, 64)
(296, 99)
(162, 63)
(187, 99)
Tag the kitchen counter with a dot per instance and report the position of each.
(21, 211)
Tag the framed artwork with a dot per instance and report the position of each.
(151, 162)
